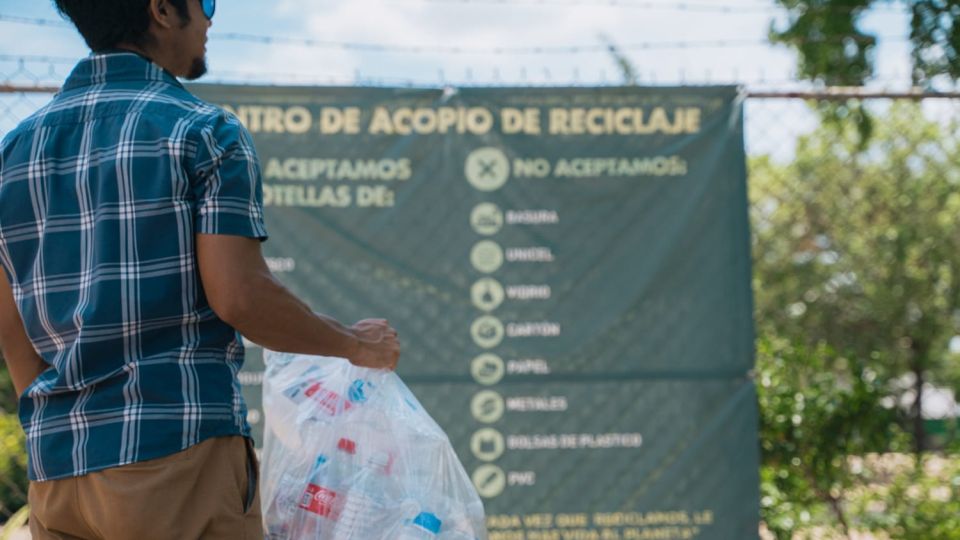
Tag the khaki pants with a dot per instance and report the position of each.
(207, 491)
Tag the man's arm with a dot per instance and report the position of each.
(242, 291)
(22, 360)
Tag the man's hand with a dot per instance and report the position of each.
(379, 345)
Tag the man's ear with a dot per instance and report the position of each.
(163, 14)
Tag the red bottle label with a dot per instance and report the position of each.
(329, 402)
(319, 500)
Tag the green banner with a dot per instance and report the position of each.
(569, 272)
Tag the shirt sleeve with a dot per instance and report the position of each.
(228, 185)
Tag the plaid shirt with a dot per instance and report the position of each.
(101, 195)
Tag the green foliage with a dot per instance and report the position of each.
(13, 465)
(13, 454)
(935, 33)
(919, 500)
(15, 523)
(857, 280)
(8, 396)
(835, 51)
(832, 49)
(857, 246)
(817, 408)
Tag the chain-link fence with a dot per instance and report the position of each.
(779, 129)
(775, 117)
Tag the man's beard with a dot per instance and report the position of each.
(197, 69)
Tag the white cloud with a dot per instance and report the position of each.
(474, 25)
(488, 26)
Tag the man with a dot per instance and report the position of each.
(130, 230)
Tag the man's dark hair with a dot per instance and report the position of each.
(104, 24)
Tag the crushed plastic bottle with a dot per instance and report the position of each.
(316, 504)
(425, 526)
(362, 499)
(280, 514)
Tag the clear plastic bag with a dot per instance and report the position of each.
(350, 454)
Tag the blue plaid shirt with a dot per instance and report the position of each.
(101, 195)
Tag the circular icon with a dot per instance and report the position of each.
(486, 219)
(487, 332)
(487, 444)
(487, 169)
(254, 416)
(489, 480)
(487, 369)
(487, 294)
(487, 406)
(487, 256)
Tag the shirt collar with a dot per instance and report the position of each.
(114, 66)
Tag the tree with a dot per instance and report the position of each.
(835, 51)
(817, 409)
(8, 396)
(919, 500)
(13, 465)
(857, 246)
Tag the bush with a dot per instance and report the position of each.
(913, 499)
(817, 409)
(13, 465)
(8, 396)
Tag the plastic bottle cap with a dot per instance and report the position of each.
(358, 392)
(347, 446)
(428, 521)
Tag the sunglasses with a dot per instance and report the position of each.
(209, 8)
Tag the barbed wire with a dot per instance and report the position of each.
(726, 8)
(22, 58)
(463, 50)
(22, 80)
(42, 73)
(632, 4)
(544, 49)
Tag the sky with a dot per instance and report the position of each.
(727, 44)
(483, 25)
